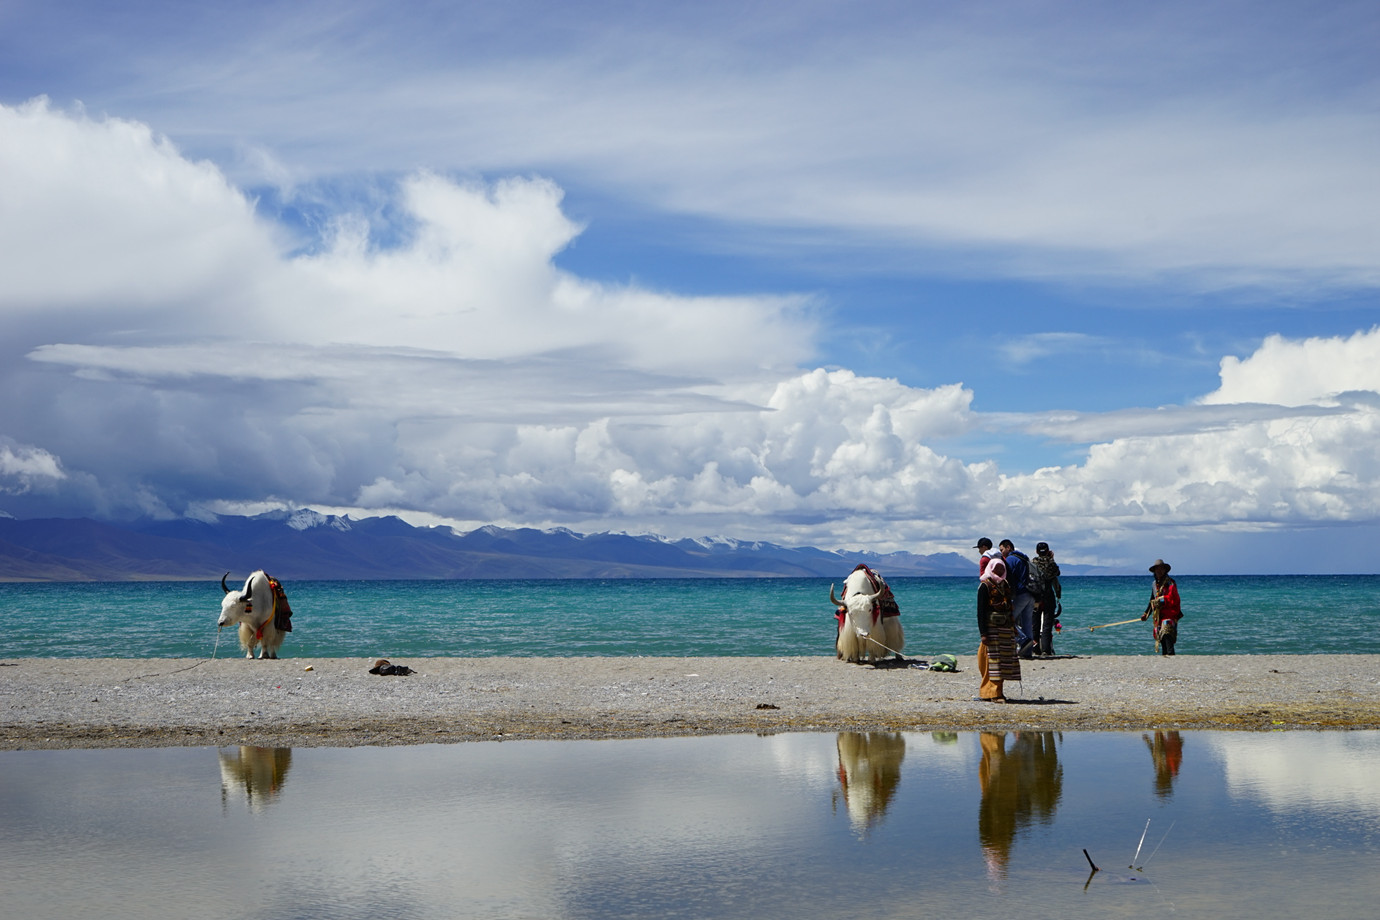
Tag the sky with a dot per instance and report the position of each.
(862, 276)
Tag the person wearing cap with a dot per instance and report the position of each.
(996, 657)
(984, 546)
(1164, 604)
(1044, 581)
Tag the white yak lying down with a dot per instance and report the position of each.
(262, 612)
(869, 619)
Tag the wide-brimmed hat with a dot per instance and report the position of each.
(1160, 564)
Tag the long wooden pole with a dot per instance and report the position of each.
(1117, 623)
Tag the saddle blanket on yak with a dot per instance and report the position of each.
(282, 613)
(885, 604)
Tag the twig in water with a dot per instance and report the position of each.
(1141, 844)
(1158, 845)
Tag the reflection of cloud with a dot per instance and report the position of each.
(257, 773)
(1334, 770)
(869, 773)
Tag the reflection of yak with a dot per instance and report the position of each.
(1018, 785)
(869, 772)
(1167, 751)
(258, 772)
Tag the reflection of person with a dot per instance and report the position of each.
(1018, 785)
(1167, 751)
(1164, 604)
(1044, 574)
(997, 810)
(869, 772)
(997, 661)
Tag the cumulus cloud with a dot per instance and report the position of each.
(22, 465)
(457, 373)
(103, 215)
(243, 369)
(1314, 371)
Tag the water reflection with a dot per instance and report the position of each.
(1020, 784)
(869, 772)
(800, 825)
(1167, 752)
(255, 774)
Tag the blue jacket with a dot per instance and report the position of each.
(1018, 571)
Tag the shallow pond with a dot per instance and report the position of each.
(801, 825)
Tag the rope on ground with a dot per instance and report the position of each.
(180, 670)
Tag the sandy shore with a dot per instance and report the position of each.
(297, 702)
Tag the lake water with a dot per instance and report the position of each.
(669, 617)
(1192, 824)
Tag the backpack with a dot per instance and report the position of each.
(1025, 578)
(1036, 582)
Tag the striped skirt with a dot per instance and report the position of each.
(1000, 660)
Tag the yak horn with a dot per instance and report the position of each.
(222, 582)
(837, 602)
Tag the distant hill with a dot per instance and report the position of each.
(308, 545)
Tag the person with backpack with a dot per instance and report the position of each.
(1048, 592)
(1022, 601)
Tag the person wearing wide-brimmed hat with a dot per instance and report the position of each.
(1164, 604)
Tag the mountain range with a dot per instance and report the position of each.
(306, 544)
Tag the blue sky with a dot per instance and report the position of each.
(882, 276)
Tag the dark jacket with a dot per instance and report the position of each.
(1017, 568)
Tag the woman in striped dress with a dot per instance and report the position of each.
(997, 659)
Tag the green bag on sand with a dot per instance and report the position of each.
(944, 663)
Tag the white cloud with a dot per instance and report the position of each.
(1027, 349)
(22, 465)
(1314, 371)
(103, 215)
(1188, 140)
(460, 373)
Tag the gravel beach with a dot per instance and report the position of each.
(336, 702)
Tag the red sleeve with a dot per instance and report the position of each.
(1169, 610)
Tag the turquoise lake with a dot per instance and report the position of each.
(669, 617)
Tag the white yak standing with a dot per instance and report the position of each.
(869, 619)
(262, 612)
